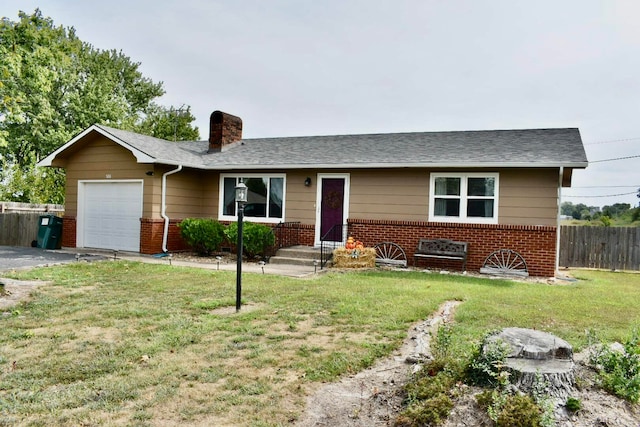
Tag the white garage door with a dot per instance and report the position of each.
(111, 215)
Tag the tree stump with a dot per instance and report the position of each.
(539, 360)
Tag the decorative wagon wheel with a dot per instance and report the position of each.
(390, 254)
(506, 262)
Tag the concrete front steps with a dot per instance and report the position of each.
(296, 255)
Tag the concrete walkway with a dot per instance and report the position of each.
(14, 258)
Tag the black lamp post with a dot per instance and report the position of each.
(241, 199)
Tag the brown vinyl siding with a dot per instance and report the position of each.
(99, 158)
(400, 194)
(300, 200)
(210, 183)
(528, 197)
(185, 194)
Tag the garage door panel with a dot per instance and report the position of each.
(112, 212)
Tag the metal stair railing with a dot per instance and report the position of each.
(332, 239)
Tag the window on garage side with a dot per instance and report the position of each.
(265, 198)
(464, 197)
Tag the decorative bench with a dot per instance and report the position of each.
(442, 249)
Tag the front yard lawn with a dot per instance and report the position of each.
(125, 343)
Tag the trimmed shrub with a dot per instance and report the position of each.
(256, 238)
(203, 235)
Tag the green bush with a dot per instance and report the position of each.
(203, 235)
(256, 238)
(519, 411)
(619, 369)
(429, 412)
(488, 362)
(573, 404)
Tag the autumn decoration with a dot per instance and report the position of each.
(354, 255)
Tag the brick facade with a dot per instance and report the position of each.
(307, 234)
(536, 244)
(150, 235)
(69, 231)
(151, 232)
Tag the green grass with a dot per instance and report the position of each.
(122, 343)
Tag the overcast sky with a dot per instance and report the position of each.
(303, 67)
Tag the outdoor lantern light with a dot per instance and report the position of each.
(241, 193)
(307, 182)
(241, 199)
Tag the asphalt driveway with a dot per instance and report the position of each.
(14, 257)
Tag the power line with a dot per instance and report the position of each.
(605, 186)
(612, 141)
(607, 195)
(617, 158)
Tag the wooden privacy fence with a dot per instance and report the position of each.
(615, 248)
(18, 229)
(19, 221)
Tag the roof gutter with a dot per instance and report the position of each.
(163, 211)
(559, 214)
(279, 166)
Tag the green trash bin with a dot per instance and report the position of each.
(49, 232)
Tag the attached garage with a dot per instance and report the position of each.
(109, 214)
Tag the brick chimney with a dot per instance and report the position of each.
(224, 130)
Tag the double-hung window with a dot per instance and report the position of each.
(464, 197)
(265, 197)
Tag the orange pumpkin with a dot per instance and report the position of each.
(351, 244)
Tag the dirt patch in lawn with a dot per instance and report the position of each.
(372, 397)
(14, 291)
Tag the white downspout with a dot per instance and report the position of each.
(560, 178)
(163, 211)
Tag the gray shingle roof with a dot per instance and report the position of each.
(485, 148)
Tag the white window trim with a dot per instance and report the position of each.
(463, 197)
(222, 217)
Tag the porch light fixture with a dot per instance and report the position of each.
(241, 199)
(241, 194)
(307, 182)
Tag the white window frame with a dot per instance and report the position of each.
(268, 176)
(464, 176)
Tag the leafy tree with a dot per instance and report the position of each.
(52, 86)
(580, 211)
(168, 123)
(616, 210)
(566, 208)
